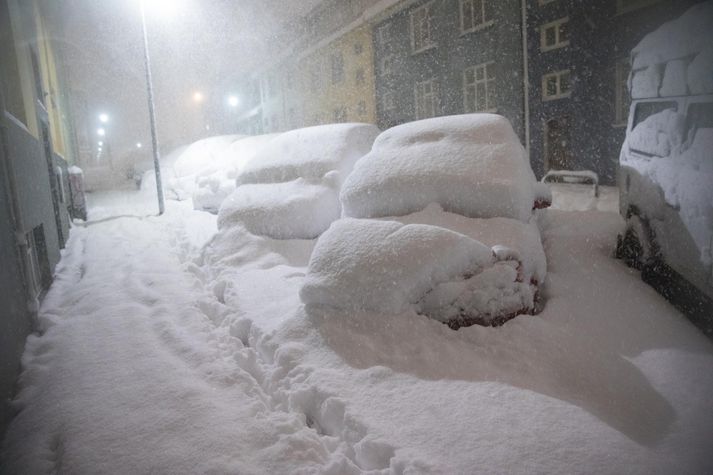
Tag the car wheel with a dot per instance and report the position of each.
(635, 247)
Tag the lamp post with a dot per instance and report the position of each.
(152, 112)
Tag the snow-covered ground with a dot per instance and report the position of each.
(168, 348)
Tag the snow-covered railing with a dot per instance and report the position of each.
(574, 176)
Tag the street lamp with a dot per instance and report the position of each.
(138, 145)
(101, 132)
(198, 97)
(233, 101)
(152, 112)
(103, 118)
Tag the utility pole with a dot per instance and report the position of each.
(152, 113)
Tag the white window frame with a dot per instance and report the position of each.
(623, 7)
(484, 24)
(488, 82)
(559, 94)
(543, 35)
(428, 39)
(421, 111)
(621, 93)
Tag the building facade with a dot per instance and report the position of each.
(36, 147)
(578, 56)
(444, 57)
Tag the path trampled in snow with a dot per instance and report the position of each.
(157, 354)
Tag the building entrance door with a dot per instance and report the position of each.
(558, 154)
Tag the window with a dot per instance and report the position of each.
(479, 88)
(421, 29)
(554, 35)
(358, 48)
(340, 114)
(384, 35)
(622, 100)
(623, 6)
(426, 99)
(359, 76)
(473, 16)
(545, 2)
(556, 85)
(337, 68)
(644, 110)
(361, 108)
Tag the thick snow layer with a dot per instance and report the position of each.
(676, 58)
(681, 171)
(310, 153)
(204, 156)
(685, 36)
(470, 164)
(524, 238)
(659, 134)
(387, 267)
(293, 210)
(163, 348)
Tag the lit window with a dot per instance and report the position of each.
(473, 16)
(479, 88)
(555, 34)
(556, 85)
(421, 28)
(426, 93)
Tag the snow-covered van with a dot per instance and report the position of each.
(666, 173)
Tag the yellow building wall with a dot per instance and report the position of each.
(322, 96)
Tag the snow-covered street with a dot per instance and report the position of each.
(167, 350)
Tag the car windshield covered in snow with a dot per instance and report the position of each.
(346, 237)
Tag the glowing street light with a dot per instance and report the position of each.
(233, 101)
(198, 97)
(103, 118)
(101, 132)
(101, 143)
(138, 145)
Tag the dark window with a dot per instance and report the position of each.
(645, 110)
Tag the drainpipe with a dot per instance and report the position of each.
(525, 75)
(16, 213)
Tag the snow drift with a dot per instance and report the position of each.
(470, 164)
(389, 268)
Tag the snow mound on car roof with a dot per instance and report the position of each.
(293, 210)
(290, 189)
(211, 189)
(204, 156)
(389, 268)
(310, 153)
(677, 58)
(470, 164)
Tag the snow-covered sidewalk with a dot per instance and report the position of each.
(164, 351)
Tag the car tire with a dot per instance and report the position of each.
(636, 247)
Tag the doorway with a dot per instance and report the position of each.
(558, 153)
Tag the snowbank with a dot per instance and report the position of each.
(390, 268)
(212, 189)
(677, 57)
(470, 164)
(310, 153)
(204, 156)
(293, 210)
(290, 189)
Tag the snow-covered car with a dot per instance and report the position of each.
(290, 188)
(666, 175)
(439, 219)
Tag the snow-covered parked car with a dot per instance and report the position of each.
(290, 189)
(438, 220)
(666, 175)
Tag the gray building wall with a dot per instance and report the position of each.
(453, 53)
(600, 35)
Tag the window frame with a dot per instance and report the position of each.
(432, 95)
(430, 43)
(621, 114)
(480, 26)
(559, 94)
(488, 83)
(543, 35)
